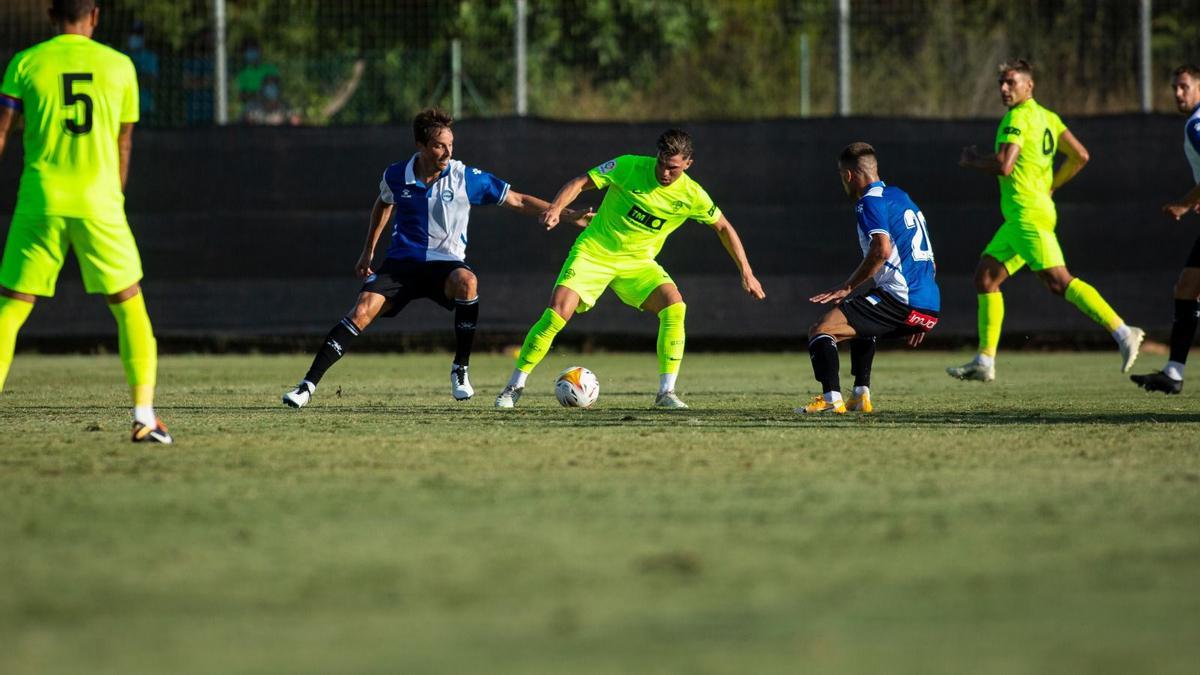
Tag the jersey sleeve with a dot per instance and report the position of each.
(1193, 134)
(385, 190)
(611, 171)
(704, 210)
(130, 108)
(484, 188)
(872, 217)
(1013, 129)
(1057, 126)
(11, 91)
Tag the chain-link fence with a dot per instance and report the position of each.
(319, 62)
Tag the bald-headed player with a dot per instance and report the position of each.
(80, 102)
(1027, 141)
(1186, 87)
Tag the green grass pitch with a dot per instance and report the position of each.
(1048, 522)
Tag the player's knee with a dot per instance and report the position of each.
(1057, 284)
(466, 286)
(1187, 288)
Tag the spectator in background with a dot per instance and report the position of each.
(199, 105)
(145, 62)
(249, 79)
(269, 108)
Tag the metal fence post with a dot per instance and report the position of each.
(1146, 84)
(843, 107)
(520, 46)
(220, 65)
(805, 78)
(456, 78)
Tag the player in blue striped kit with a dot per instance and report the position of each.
(427, 200)
(904, 300)
(1169, 380)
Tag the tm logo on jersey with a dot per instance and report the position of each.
(645, 219)
(1012, 131)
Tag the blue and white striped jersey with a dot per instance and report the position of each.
(1191, 143)
(429, 222)
(908, 273)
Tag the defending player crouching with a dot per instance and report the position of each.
(904, 301)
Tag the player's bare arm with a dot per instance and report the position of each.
(1189, 202)
(381, 213)
(8, 123)
(1077, 156)
(125, 151)
(733, 245)
(877, 255)
(532, 206)
(566, 194)
(998, 164)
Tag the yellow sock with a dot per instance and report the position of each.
(1088, 300)
(671, 338)
(991, 316)
(13, 313)
(539, 339)
(139, 350)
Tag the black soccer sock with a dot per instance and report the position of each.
(466, 314)
(862, 355)
(1183, 330)
(335, 346)
(822, 349)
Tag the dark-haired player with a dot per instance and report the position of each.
(1169, 380)
(904, 299)
(1027, 141)
(647, 199)
(79, 99)
(427, 201)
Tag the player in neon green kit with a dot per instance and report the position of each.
(647, 199)
(1027, 140)
(80, 102)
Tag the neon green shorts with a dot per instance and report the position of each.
(37, 248)
(1016, 244)
(588, 274)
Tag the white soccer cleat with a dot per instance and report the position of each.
(973, 371)
(509, 396)
(1130, 347)
(460, 384)
(668, 399)
(300, 396)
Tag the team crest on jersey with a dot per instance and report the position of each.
(447, 196)
(607, 166)
(676, 206)
(405, 193)
(569, 274)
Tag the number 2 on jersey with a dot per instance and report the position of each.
(921, 247)
(71, 97)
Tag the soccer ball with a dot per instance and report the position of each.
(576, 387)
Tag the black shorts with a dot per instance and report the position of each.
(402, 281)
(1193, 259)
(879, 314)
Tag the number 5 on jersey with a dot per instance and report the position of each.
(70, 100)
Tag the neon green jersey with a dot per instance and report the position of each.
(75, 93)
(1025, 194)
(638, 212)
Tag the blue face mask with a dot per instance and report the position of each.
(270, 92)
(251, 56)
(136, 42)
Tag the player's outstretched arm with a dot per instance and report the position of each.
(566, 194)
(733, 245)
(998, 164)
(381, 212)
(1189, 202)
(1077, 156)
(8, 123)
(125, 151)
(877, 255)
(532, 206)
